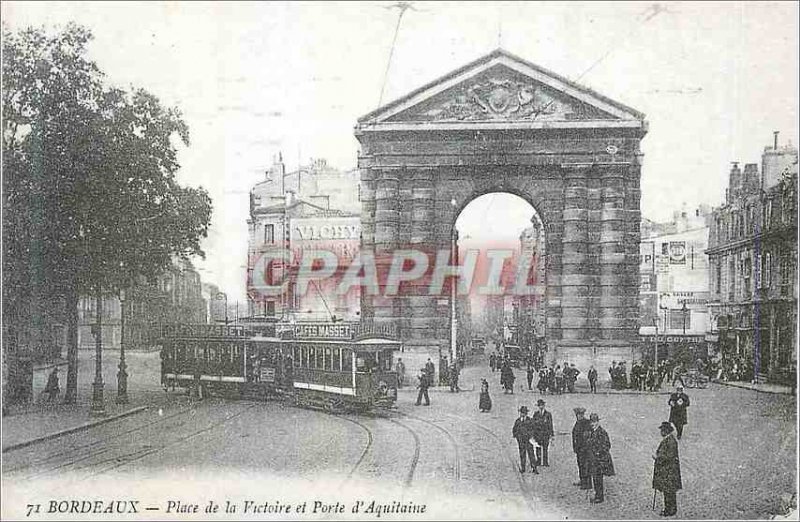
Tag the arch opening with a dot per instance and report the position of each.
(505, 309)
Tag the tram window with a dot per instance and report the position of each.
(347, 360)
(320, 360)
(328, 359)
(365, 362)
(337, 361)
(296, 356)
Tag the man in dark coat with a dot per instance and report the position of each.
(492, 361)
(430, 371)
(52, 388)
(600, 462)
(454, 378)
(530, 373)
(507, 377)
(423, 385)
(580, 436)
(667, 470)
(542, 431)
(592, 376)
(678, 402)
(523, 431)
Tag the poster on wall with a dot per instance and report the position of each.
(677, 252)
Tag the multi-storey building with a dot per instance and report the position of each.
(174, 297)
(674, 285)
(529, 310)
(313, 208)
(753, 258)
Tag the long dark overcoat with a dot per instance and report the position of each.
(678, 403)
(522, 431)
(543, 426)
(667, 468)
(600, 453)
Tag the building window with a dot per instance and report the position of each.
(269, 309)
(786, 269)
(747, 269)
(732, 279)
(677, 317)
(664, 249)
(767, 271)
(718, 276)
(269, 234)
(768, 213)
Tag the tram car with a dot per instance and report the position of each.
(351, 372)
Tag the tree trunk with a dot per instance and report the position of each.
(71, 391)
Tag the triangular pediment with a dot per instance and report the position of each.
(501, 87)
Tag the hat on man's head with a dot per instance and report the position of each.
(594, 417)
(540, 402)
(579, 410)
(523, 409)
(666, 426)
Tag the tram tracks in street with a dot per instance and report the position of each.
(415, 459)
(364, 452)
(77, 449)
(450, 438)
(525, 488)
(107, 456)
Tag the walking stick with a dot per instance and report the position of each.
(654, 499)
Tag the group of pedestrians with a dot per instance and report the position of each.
(556, 380)
(592, 447)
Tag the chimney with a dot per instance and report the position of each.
(775, 139)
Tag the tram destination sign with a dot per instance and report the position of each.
(323, 331)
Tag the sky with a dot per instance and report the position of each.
(255, 79)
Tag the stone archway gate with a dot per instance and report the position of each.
(502, 124)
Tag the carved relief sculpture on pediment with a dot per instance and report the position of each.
(498, 98)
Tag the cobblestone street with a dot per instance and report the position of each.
(737, 453)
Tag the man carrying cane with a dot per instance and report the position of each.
(667, 470)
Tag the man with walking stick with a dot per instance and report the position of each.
(667, 470)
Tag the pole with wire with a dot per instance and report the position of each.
(402, 7)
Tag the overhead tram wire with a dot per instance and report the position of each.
(643, 17)
(403, 7)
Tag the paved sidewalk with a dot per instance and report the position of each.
(39, 418)
(763, 387)
(43, 420)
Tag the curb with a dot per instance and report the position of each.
(75, 429)
(748, 387)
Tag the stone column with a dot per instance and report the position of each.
(421, 307)
(631, 241)
(387, 221)
(613, 270)
(574, 276)
(367, 232)
(554, 231)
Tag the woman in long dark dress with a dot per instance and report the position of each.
(485, 402)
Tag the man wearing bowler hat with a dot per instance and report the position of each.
(542, 431)
(522, 431)
(667, 470)
(600, 463)
(678, 402)
(580, 436)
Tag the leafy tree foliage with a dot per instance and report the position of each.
(91, 203)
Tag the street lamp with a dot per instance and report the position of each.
(665, 308)
(122, 374)
(684, 311)
(655, 323)
(98, 407)
(223, 296)
(454, 257)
